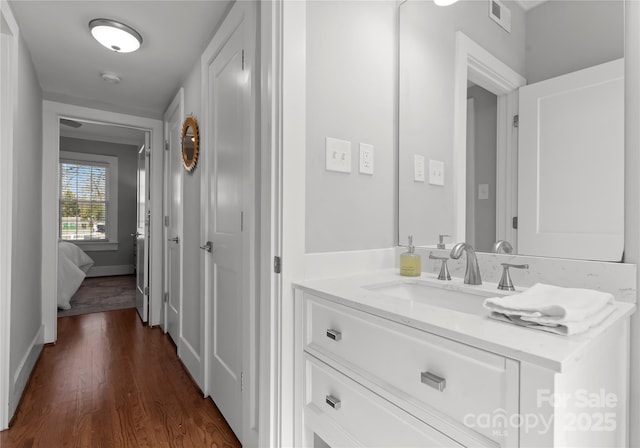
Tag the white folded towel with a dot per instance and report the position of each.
(558, 327)
(561, 305)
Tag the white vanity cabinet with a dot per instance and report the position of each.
(374, 379)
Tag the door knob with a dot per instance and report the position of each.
(208, 246)
(136, 235)
(175, 240)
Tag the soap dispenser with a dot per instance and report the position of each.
(410, 262)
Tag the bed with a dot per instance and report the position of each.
(73, 265)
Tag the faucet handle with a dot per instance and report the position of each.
(444, 269)
(441, 238)
(505, 282)
(515, 266)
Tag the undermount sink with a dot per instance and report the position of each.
(456, 299)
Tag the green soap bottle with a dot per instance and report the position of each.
(410, 262)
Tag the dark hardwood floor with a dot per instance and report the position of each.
(109, 381)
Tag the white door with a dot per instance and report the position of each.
(142, 234)
(571, 165)
(174, 224)
(227, 273)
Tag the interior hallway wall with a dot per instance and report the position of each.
(26, 303)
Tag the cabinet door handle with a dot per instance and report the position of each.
(334, 334)
(334, 402)
(432, 380)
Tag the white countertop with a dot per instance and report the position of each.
(545, 349)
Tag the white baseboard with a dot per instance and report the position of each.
(22, 374)
(104, 271)
(192, 361)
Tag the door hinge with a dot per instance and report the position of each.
(241, 381)
(516, 121)
(242, 60)
(166, 145)
(277, 264)
(514, 222)
(166, 297)
(242, 221)
(166, 221)
(146, 290)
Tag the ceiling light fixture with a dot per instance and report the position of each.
(444, 2)
(115, 36)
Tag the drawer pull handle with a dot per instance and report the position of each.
(334, 334)
(432, 380)
(334, 402)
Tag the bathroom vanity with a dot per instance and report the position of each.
(384, 360)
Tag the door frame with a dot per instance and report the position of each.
(177, 104)
(51, 114)
(7, 114)
(474, 63)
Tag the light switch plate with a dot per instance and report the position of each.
(483, 191)
(366, 158)
(338, 155)
(418, 168)
(436, 172)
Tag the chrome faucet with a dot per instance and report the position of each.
(472, 275)
(502, 246)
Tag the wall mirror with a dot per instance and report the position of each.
(473, 164)
(190, 143)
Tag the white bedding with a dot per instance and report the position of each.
(73, 265)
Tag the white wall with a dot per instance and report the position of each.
(426, 101)
(26, 306)
(565, 36)
(351, 82)
(127, 169)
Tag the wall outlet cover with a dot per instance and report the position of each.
(366, 158)
(418, 168)
(436, 172)
(338, 155)
(483, 191)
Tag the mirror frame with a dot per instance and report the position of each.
(190, 162)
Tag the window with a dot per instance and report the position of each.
(88, 199)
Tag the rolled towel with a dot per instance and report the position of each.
(558, 327)
(547, 301)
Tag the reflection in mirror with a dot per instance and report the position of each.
(562, 204)
(190, 143)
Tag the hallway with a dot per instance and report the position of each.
(111, 382)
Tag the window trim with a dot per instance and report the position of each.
(111, 243)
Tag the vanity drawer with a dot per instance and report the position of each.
(446, 380)
(367, 419)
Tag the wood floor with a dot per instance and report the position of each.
(109, 381)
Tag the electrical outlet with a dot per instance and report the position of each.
(338, 155)
(436, 172)
(418, 168)
(366, 158)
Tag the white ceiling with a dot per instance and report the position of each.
(68, 61)
(104, 133)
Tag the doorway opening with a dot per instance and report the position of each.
(101, 191)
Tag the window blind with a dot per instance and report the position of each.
(83, 201)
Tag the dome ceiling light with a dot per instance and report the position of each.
(115, 36)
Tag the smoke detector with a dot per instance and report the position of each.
(110, 77)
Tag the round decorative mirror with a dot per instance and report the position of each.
(190, 143)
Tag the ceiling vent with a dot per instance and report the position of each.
(500, 14)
